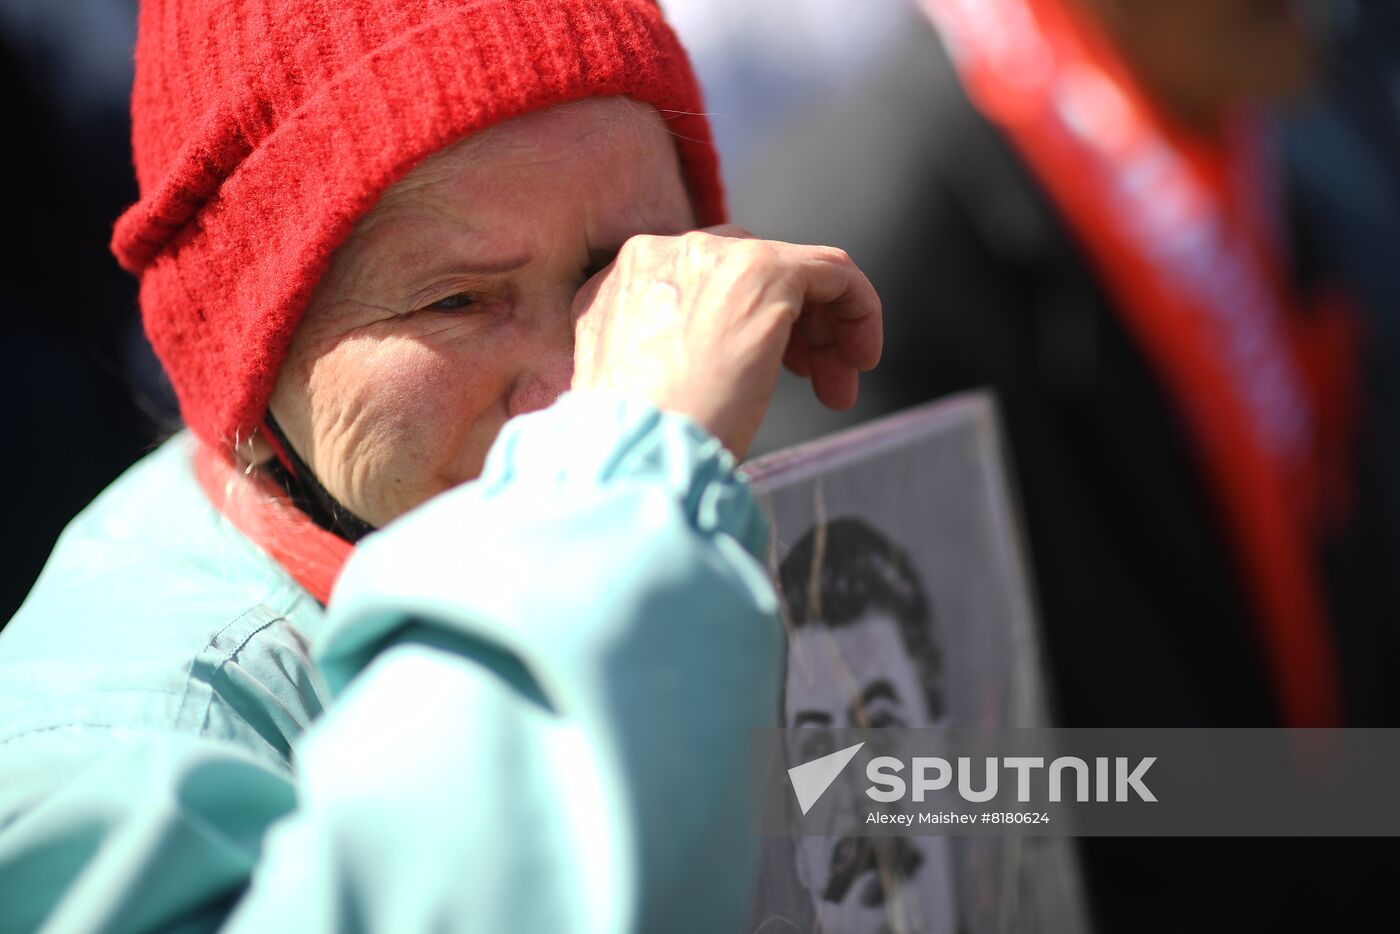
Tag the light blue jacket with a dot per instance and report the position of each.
(525, 709)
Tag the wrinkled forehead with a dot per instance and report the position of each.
(580, 175)
(593, 152)
(627, 134)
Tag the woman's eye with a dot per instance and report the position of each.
(452, 302)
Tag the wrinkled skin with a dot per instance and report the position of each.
(553, 251)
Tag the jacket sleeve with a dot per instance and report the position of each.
(544, 684)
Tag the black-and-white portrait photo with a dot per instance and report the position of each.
(864, 653)
(899, 568)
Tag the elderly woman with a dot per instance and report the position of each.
(387, 247)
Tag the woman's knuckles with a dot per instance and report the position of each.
(712, 313)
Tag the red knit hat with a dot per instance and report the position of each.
(263, 131)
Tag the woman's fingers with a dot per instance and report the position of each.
(711, 313)
(838, 297)
(839, 304)
(861, 341)
(732, 231)
(798, 356)
(836, 384)
(840, 331)
(815, 350)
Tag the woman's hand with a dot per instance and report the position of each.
(700, 323)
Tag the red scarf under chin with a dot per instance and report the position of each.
(1181, 235)
(261, 510)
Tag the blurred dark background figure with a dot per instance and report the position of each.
(1152, 599)
(1342, 150)
(81, 391)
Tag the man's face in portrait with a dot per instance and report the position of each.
(860, 675)
(861, 656)
(854, 676)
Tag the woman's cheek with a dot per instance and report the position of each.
(406, 423)
(437, 394)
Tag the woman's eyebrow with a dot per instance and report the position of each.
(416, 280)
(426, 248)
(473, 266)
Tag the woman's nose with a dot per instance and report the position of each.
(548, 367)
